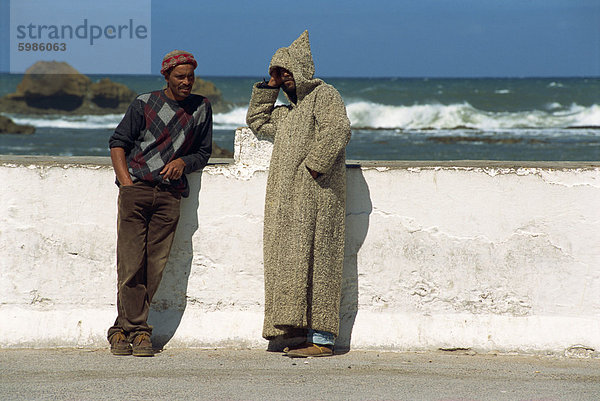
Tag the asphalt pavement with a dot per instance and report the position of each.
(227, 374)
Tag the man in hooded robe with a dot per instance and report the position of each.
(305, 201)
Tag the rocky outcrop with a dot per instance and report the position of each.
(8, 126)
(108, 94)
(209, 90)
(51, 87)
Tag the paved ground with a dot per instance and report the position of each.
(193, 374)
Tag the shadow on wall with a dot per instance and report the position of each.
(170, 300)
(358, 212)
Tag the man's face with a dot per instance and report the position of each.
(288, 83)
(180, 81)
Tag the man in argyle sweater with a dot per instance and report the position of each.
(164, 135)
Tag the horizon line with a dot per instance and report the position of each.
(357, 76)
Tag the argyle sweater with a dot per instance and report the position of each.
(156, 130)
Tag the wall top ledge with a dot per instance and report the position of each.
(101, 161)
(504, 164)
(89, 161)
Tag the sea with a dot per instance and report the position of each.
(516, 119)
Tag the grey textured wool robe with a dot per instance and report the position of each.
(304, 217)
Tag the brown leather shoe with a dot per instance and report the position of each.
(119, 345)
(142, 346)
(309, 350)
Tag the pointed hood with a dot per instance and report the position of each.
(297, 58)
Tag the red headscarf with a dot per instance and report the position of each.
(175, 58)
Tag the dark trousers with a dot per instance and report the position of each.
(146, 223)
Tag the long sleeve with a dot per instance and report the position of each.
(203, 144)
(262, 114)
(332, 130)
(128, 130)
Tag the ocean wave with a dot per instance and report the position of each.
(232, 119)
(554, 106)
(437, 116)
(108, 121)
(368, 115)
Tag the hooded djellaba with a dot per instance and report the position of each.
(304, 217)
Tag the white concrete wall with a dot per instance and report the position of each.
(489, 256)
